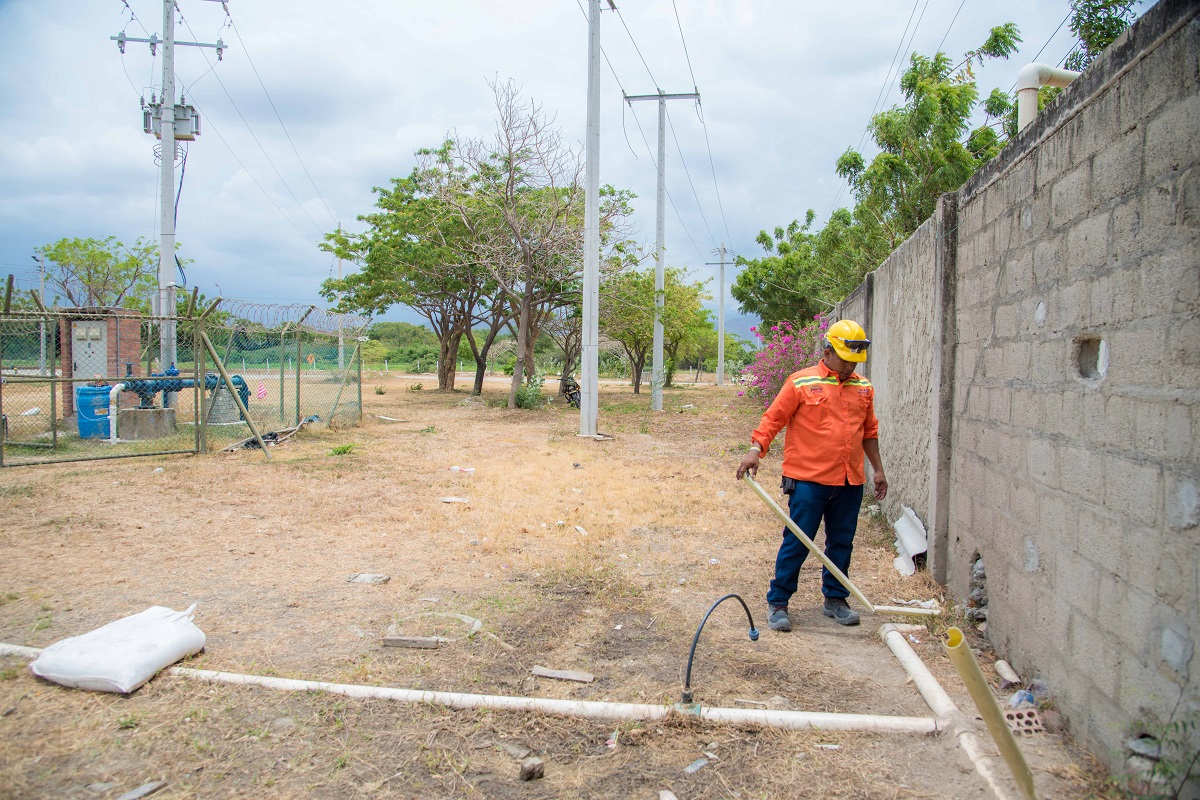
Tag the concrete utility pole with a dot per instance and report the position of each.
(720, 315)
(589, 367)
(656, 374)
(167, 114)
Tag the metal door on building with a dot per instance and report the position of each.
(89, 349)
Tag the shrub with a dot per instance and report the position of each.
(785, 349)
(416, 387)
(529, 394)
(380, 390)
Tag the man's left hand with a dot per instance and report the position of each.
(881, 485)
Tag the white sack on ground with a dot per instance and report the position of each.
(124, 654)
(910, 541)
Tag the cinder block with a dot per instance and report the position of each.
(1071, 196)
(993, 363)
(1171, 141)
(1144, 223)
(1053, 159)
(1070, 306)
(1048, 261)
(1042, 462)
(1167, 284)
(1082, 473)
(1026, 410)
(1134, 489)
(1075, 582)
(1023, 506)
(1102, 538)
(1117, 169)
(1174, 583)
(1094, 655)
(1016, 359)
(1127, 613)
(1006, 321)
(1119, 422)
(1180, 433)
(1087, 245)
(1057, 521)
(1018, 272)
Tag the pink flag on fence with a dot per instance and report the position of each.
(262, 391)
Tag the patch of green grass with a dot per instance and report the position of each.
(10, 673)
(9, 597)
(342, 450)
(416, 387)
(128, 722)
(429, 429)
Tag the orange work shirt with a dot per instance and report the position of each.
(826, 420)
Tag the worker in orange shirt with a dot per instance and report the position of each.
(829, 412)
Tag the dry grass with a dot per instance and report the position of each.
(265, 548)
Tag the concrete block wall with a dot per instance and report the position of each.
(898, 309)
(1051, 313)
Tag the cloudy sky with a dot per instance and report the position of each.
(786, 86)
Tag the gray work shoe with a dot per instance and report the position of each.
(840, 610)
(778, 620)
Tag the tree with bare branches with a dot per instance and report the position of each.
(520, 200)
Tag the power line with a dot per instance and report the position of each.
(254, 136)
(875, 107)
(951, 25)
(682, 39)
(277, 115)
(688, 173)
(704, 127)
(636, 48)
(638, 122)
(250, 174)
(670, 199)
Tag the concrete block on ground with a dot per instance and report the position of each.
(137, 424)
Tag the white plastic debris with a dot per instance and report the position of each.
(124, 654)
(33, 412)
(579, 529)
(455, 500)
(456, 468)
(911, 540)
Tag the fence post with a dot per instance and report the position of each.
(212, 351)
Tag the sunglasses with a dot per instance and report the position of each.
(856, 345)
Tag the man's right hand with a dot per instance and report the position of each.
(749, 464)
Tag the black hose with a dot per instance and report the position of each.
(687, 683)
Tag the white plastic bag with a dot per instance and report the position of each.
(122, 655)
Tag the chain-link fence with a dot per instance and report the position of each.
(82, 384)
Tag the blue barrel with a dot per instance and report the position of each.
(91, 406)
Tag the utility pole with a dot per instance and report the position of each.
(41, 261)
(589, 367)
(720, 316)
(656, 374)
(166, 114)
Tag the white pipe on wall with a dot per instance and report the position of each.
(114, 402)
(1031, 78)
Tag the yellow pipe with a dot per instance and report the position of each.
(829, 565)
(989, 709)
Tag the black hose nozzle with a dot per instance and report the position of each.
(687, 683)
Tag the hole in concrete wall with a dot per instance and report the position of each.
(977, 597)
(1091, 357)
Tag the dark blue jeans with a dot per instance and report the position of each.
(839, 505)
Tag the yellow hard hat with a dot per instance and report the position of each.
(848, 340)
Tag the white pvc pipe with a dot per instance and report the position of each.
(114, 402)
(790, 720)
(948, 715)
(1031, 78)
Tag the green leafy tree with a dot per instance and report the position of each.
(926, 149)
(414, 253)
(627, 313)
(106, 273)
(1097, 24)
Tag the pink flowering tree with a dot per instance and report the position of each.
(786, 348)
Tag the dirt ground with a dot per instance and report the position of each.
(574, 554)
